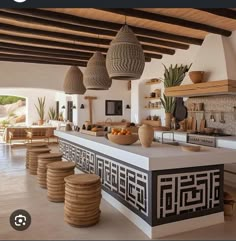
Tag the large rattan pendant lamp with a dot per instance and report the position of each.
(73, 83)
(125, 58)
(95, 75)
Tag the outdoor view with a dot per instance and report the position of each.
(12, 111)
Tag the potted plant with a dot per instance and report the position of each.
(52, 114)
(173, 76)
(41, 109)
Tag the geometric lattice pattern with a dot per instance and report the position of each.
(187, 192)
(128, 183)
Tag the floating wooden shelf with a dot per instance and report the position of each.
(152, 98)
(152, 122)
(152, 108)
(153, 82)
(220, 87)
(209, 111)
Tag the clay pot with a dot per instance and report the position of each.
(146, 135)
(168, 119)
(196, 76)
(40, 122)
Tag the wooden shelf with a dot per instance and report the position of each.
(153, 82)
(152, 98)
(152, 108)
(209, 111)
(203, 89)
(152, 122)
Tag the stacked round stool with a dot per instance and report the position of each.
(43, 161)
(82, 200)
(56, 172)
(33, 158)
(31, 146)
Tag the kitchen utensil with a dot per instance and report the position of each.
(190, 123)
(194, 124)
(212, 117)
(191, 148)
(222, 120)
(202, 123)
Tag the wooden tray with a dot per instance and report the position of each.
(191, 148)
(94, 133)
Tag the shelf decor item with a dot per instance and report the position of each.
(73, 83)
(125, 58)
(196, 76)
(173, 76)
(96, 75)
(41, 109)
(146, 135)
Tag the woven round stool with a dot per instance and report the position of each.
(43, 161)
(82, 200)
(31, 146)
(33, 158)
(56, 172)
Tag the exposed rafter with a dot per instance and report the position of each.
(168, 19)
(56, 44)
(67, 18)
(22, 50)
(16, 16)
(81, 39)
(223, 12)
(30, 59)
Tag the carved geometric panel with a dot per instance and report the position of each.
(121, 181)
(188, 193)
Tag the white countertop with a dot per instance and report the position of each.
(157, 157)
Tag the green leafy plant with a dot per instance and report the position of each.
(5, 99)
(41, 107)
(173, 76)
(52, 113)
(168, 103)
(4, 123)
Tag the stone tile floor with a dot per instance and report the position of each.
(18, 189)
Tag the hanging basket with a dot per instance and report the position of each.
(73, 83)
(95, 75)
(125, 58)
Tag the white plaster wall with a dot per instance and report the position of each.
(118, 91)
(26, 75)
(155, 69)
(31, 95)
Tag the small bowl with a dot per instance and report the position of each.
(209, 130)
(123, 139)
(196, 76)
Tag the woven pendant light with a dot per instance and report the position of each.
(125, 58)
(95, 75)
(73, 83)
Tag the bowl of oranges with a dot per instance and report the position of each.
(122, 136)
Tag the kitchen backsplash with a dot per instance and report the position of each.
(216, 105)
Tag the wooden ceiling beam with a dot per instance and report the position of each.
(3, 59)
(31, 59)
(67, 18)
(223, 12)
(23, 51)
(81, 39)
(51, 22)
(47, 55)
(55, 44)
(168, 19)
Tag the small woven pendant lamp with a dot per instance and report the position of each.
(95, 75)
(73, 83)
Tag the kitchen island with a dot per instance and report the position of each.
(162, 189)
